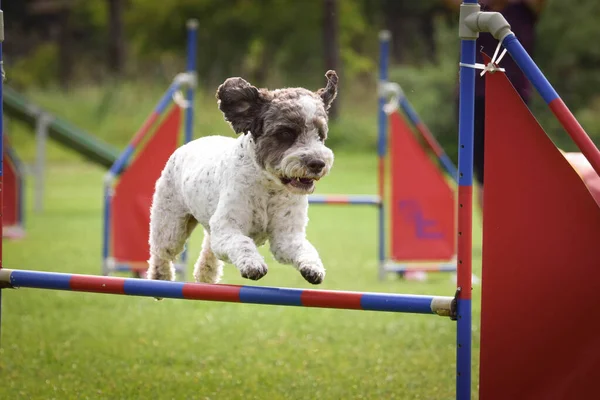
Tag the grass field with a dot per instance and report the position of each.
(66, 345)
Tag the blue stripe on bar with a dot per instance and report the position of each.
(152, 288)
(529, 68)
(271, 295)
(384, 50)
(449, 166)
(40, 280)
(398, 303)
(164, 102)
(122, 161)
(409, 111)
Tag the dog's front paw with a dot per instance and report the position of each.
(252, 269)
(312, 273)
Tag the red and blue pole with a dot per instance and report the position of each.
(466, 126)
(192, 30)
(358, 199)
(551, 97)
(386, 302)
(384, 50)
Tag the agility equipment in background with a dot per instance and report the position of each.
(421, 205)
(586, 172)
(540, 245)
(538, 332)
(13, 185)
(129, 186)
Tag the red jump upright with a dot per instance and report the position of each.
(130, 217)
(423, 203)
(541, 277)
(422, 206)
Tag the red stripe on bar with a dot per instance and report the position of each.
(97, 284)
(464, 258)
(320, 298)
(431, 142)
(336, 200)
(204, 291)
(144, 129)
(577, 133)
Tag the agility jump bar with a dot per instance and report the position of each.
(358, 199)
(421, 267)
(401, 303)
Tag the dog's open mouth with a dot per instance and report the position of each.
(304, 184)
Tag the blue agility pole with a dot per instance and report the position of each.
(192, 46)
(466, 126)
(384, 50)
(401, 303)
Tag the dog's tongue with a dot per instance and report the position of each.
(306, 181)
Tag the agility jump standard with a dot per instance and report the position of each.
(421, 207)
(129, 186)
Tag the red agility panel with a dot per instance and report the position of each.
(130, 219)
(541, 277)
(422, 208)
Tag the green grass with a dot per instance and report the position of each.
(67, 345)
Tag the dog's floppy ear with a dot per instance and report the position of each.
(241, 103)
(329, 92)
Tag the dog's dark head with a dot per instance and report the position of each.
(288, 126)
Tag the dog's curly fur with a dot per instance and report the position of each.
(248, 190)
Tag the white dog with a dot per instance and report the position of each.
(248, 190)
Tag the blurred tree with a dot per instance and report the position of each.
(116, 38)
(331, 44)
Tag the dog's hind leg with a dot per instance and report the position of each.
(170, 227)
(208, 268)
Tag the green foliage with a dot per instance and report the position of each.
(39, 69)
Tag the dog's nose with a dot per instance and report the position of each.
(316, 166)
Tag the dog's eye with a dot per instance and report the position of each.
(286, 135)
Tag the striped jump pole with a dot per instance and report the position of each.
(466, 127)
(382, 122)
(401, 303)
(344, 199)
(553, 100)
(192, 46)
